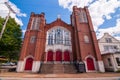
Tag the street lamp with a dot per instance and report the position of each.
(4, 25)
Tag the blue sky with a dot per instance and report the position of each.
(50, 8)
(105, 14)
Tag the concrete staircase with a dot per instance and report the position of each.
(69, 68)
(57, 68)
(46, 68)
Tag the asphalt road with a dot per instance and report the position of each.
(100, 78)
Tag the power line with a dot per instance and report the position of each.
(4, 25)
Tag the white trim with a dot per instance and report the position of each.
(36, 66)
(32, 23)
(20, 66)
(55, 27)
(29, 56)
(113, 63)
(101, 66)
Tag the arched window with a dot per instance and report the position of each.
(35, 23)
(82, 16)
(67, 38)
(59, 36)
(32, 39)
(50, 39)
(86, 39)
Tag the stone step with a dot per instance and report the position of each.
(68, 68)
(46, 68)
(57, 68)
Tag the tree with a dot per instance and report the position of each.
(10, 42)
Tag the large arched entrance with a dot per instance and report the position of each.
(90, 64)
(58, 55)
(66, 56)
(28, 65)
(50, 56)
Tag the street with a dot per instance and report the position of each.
(99, 78)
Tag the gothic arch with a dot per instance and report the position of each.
(55, 27)
(28, 62)
(29, 56)
(58, 35)
(90, 63)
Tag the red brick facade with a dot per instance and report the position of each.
(84, 44)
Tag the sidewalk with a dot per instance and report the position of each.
(78, 75)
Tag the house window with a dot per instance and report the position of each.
(118, 61)
(108, 40)
(86, 39)
(110, 48)
(32, 39)
(115, 47)
(106, 48)
(109, 62)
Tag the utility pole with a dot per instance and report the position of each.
(7, 18)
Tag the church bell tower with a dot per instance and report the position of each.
(86, 44)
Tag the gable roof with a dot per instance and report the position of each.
(107, 35)
(59, 22)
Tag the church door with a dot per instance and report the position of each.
(50, 56)
(66, 56)
(28, 65)
(58, 56)
(90, 64)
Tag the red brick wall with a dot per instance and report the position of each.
(80, 48)
(85, 49)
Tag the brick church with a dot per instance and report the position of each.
(59, 47)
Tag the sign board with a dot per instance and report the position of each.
(81, 67)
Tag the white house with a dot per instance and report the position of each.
(110, 51)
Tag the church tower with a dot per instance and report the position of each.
(86, 44)
(59, 47)
(31, 52)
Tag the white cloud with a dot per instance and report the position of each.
(99, 10)
(102, 8)
(4, 11)
(112, 30)
(70, 3)
(23, 31)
